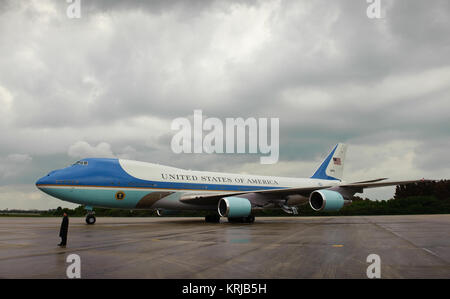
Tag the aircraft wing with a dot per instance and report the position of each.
(205, 199)
(377, 183)
(211, 199)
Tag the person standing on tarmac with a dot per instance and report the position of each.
(63, 230)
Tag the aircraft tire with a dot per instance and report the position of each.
(250, 219)
(212, 218)
(90, 219)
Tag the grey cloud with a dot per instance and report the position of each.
(126, 69)
(433, 156)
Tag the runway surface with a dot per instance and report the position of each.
(290, 247)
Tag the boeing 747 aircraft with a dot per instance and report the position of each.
(126, 184)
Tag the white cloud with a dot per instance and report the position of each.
(82, 149)
(6, 98)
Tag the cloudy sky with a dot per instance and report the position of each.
(111, 82)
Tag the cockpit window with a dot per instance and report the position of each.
(81, 163)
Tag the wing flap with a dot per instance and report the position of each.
(371, 181)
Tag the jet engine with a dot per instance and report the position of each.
(234, 207)
(326, 200)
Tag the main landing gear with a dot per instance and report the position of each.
(248, 219)
(90, 218)
(212, 218)
(216, 219)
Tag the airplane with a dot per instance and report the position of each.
(127, 184)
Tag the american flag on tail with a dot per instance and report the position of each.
(337, 161)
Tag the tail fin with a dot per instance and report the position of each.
(332, 168)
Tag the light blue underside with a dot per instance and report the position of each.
(99, 197)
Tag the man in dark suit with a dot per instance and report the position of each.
(63, 230)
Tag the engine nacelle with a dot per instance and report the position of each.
(234, 207)
(326, 200)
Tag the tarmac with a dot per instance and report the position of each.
(272, 247)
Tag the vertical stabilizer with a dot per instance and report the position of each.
(332, 168)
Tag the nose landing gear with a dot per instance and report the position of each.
(90, 218)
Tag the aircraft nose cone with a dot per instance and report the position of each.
(42, 181)
(39, 182)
